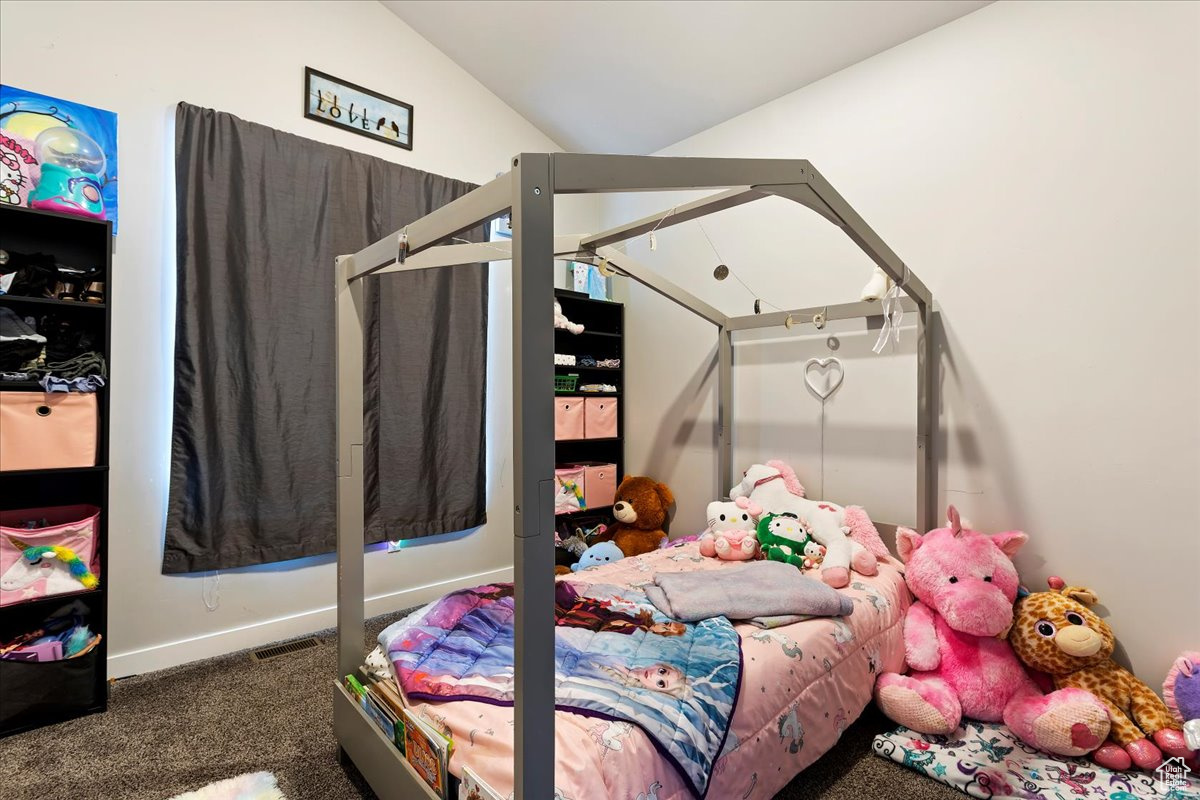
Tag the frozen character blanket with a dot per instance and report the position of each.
(616, 657)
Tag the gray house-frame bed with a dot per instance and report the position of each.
(528, 191)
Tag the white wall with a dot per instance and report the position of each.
(248, 58)
(1037, 165)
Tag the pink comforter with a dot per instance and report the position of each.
(802, 684)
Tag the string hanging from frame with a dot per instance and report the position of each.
(723, 271)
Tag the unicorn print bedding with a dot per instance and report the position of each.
(800, 686)
(616, 657)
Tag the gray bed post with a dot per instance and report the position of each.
(349, 359)
(927, 494)
(724, 411)
(533, 471)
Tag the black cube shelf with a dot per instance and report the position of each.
(603, 337)
(79, 686)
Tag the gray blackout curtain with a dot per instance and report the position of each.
(261, 215)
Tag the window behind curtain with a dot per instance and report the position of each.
(261, 216)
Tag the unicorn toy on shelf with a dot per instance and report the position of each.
(60, 569)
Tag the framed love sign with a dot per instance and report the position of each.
(350, 107)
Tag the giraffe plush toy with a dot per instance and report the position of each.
(1055, 632)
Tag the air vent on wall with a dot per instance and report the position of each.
(277, 650)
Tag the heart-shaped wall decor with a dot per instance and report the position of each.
(823, 376)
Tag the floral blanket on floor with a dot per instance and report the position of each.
(616, 657)
(986, 760)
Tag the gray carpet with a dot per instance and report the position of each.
(173, 731)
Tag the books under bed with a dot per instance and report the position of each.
(425, 748)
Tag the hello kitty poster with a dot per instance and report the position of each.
(57, 155)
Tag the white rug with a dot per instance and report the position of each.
(252, 786)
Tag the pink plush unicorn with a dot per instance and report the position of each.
(959, 659)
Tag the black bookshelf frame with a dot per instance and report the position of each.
(77, 241)
(603, 337)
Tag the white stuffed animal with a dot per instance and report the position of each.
(847, 534)
(876, 287)
(561, 321)
(730, 535)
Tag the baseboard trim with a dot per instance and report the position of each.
(184, 651)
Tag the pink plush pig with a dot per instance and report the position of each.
(960, 664)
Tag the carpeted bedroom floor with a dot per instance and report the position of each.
(177, 730)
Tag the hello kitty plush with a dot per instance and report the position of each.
(19, 170)
(814, 554)
(730, 535)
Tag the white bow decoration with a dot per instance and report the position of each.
(893, 314)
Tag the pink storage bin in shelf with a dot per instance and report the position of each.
(600, 417)
(599, 484)
(73, 527)
(569, 489)
(568, 417)
(47, 431)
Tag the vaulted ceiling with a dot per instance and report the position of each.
(634, 77)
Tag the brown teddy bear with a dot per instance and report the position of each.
(640, 510)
